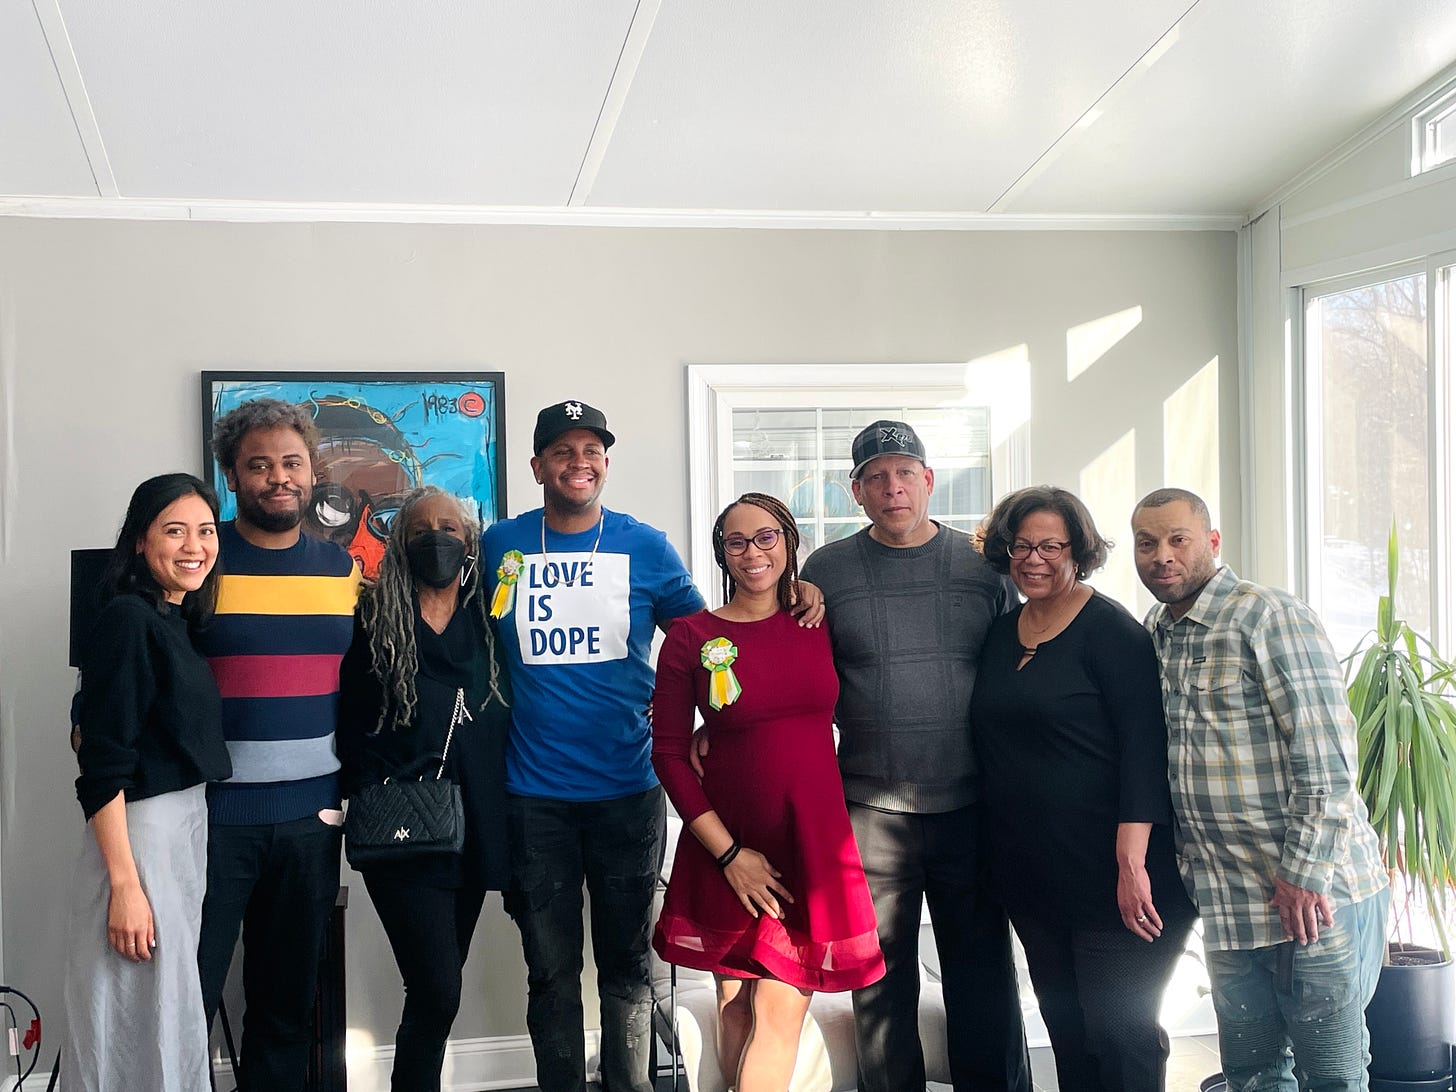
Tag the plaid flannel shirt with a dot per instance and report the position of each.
(1261, 759)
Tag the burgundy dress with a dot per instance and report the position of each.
(773, 779)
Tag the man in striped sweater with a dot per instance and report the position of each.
(284, 620)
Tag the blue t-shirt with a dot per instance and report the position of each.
(579, 652)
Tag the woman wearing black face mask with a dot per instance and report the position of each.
(423, 658)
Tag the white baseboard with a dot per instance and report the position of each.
(471, 1065)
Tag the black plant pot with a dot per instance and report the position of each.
(1411, 1017)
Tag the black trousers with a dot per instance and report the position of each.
(614, 847)
(935, 856)
(1099, 990)
(278, 882)
(429, 930)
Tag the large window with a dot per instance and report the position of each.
(1378, 360)
(802, 456)
(787, 430)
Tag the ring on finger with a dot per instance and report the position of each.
(1141, 918)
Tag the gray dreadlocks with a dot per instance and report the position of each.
(387, 611)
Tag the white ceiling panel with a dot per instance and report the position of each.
(459, 102)
(1250, 93)
(673, 108)
(40, 151)
(871, 104)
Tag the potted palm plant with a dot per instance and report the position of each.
(1401, 691)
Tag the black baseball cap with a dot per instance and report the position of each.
(552, 421)
(885, 438)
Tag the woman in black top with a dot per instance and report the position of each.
(423, 656)
(1067, 716)
(150, 737)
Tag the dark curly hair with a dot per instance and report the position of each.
(266, 413)
(128, 571)
(788, 591)
(1088, 547)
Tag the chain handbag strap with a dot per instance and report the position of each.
(459, 716)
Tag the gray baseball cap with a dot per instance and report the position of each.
(885, 438)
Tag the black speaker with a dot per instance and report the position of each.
(87, 569)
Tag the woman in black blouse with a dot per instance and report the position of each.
(423, 657)
(1067, 716)
(150, 738)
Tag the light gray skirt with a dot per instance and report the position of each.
(133, 1026)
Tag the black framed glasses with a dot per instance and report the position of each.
(765, 540)
(1049, 550)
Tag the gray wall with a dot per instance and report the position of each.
(104, 327)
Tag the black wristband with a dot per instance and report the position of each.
(728, 854)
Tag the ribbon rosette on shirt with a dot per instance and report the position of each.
(504, 601)
(718, 656)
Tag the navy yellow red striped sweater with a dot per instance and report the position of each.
(284, 621)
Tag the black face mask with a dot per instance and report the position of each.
(435, 558)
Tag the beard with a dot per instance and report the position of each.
(269, 520)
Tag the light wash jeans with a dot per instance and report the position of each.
(1309, 999)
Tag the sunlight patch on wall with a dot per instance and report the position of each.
(1002, 381)
(1089, 342)
(1190, 436)
(1108, 487)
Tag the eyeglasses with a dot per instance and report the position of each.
(765, 540)
(1050, 550)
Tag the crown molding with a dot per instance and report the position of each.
(211, 211)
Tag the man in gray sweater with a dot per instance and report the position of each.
(909, 603)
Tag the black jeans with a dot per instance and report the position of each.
(615, 846)
(906, 857)
(429, 930)
(278, 881)
(1100, 990)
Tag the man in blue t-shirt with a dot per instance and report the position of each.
(579, 592)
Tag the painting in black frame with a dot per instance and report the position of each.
(381, 435)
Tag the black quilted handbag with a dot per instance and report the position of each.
(400, 820)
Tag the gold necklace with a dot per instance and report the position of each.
(1062, 615)
(1034, 630)
(546, 558)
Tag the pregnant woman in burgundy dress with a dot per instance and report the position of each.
(767, 889)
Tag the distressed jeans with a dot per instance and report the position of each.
(615, 847)
(1309, 1000)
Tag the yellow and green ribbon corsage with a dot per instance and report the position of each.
(718, 656)
(504, 600)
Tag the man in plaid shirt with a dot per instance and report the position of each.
(1274, 841)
